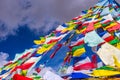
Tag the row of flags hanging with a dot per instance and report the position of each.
(92, 41)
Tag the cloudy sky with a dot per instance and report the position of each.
(22, 21)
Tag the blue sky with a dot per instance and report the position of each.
(23, 21)
(17, 44)
(22, 40)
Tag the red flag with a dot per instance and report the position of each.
(94, 59)
(107, 21)
(108, 39)
(76, 18)
(37, 70)
(19, 77)
(90, 27)
(58, 47)
(69, 58)
(113, 28)
(53, 40)
(66, 59)
(8, 63)
(79, 43)
(85, 66)
(25, 55)
(25, 66)
(88, 65)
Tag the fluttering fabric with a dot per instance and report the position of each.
(85, 47)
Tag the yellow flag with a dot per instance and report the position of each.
(104, 73)
(64, 30)
(69, 28)
(118, 45)
(111, 25)
(44, 49)
(37, 42)
(79, 52)
(80, 31)
(10, 66)
(23, 72)
(41, 41)
(116, 62)
(89, 11)
(97, 25)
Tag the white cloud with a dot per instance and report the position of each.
(14, 14)
(3, 58)
(38, 14)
